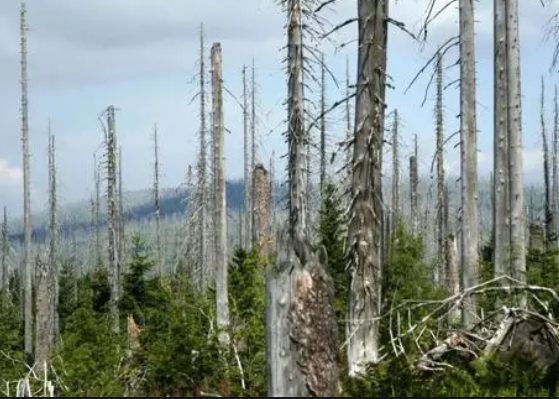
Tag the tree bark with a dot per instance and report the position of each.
(262, 209)
(453, 278)
(113, 222)
(468, 130)
(220, 220)
(301, 324)
(514, 113)
(27, 261)
(550, 233)
(43, 315)
(54, 271)
(322, 124)
(501, 190)
(366, 223)
(442, 220)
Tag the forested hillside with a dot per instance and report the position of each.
(354, 261)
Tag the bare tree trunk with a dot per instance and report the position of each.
(97, 213)
(54, 271)
(27, 261)
(301, 324)
(550, 234)
(222, 295)
(442, 222)
(157, 201)
(396, 170)
(518, 206)
(121, 216)
(247, 231)
(501, 210)
(191, 233)
(453, 278)
(43, 315)
(414, 191)
(468, 130)
(365, 225)
(262, 209)
(323, 125)
(113, 223)
(555, 161)
(5, 253)
(253, 148)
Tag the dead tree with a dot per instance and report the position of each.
(322, 124)
(555, 161)
(442, 203)
(27, 261)
(44, 319)
(121, 215)
(301, 325)
(114, 277)
(414, 191)
(262, 209)
(202, 175)
(468, 132)
(514, 114)
(247, 231)
(452, 275)
(550, 226)
(501, 190)
(253, 147)
(97, 213)
(5, 254)
(53, 269)
(157, 201)
(395, 170)
(220, 217)
(365, 224)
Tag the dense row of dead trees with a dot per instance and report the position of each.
(302, 345)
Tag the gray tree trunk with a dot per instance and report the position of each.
(501, 191)
(262, 209)
(220, 220)
(365, 225)
(396, 206)
(453, 277)
(44, 319)
(518, 206)
(442, 208)
(114, 278)
(157, 202)
(322, 124)
(253, 148)
(201, 281)
(414, 191)
(468, 130)
(54, 271)
(247, 231)
(5, 254)
(121, 216)
(301, 324)
(27, 261)
(555, 161)
(550, 226)
(97, 212)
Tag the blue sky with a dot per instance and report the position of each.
(141, 55)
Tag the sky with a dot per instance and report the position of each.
(142, 57)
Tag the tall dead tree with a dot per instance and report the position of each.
(27, 261)
(202, 175)
(247, 231)
(121, 215)
(501, 188)
(550, 233)
(5, 254)
(365, 224)
(301, 326)
(442, 203)
(468, 133)
(555, 161)
(262, 209)
(514, 114)
(220, 217)
(414, 190)
(53, 268)
(157, 201)
(44, 319)
(253, 147)
(97, 213)
(114, 275)
(396, 170)
(322, 124)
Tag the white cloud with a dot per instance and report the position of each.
(10, 175)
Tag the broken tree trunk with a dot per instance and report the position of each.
(366, 223)
(262, 209)
(301, 323)
(220, 217)
(468, 132)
